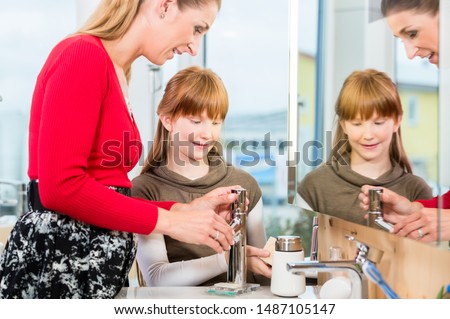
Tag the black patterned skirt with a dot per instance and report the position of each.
(51, 255)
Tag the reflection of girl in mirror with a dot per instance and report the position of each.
(184, 164)
(416, 22)
(367, 149)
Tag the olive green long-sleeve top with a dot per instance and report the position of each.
(333, 189)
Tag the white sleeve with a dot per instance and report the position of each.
(300, 202)
(158, 271)
(256, 233)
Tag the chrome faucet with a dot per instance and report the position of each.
(314, 239)
(20, 202)
(353, 268)
(237, 261)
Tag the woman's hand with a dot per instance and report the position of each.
(202, 221)
(218, 200)
(421, 225)
(395, 207)
(201, 227)
(411, 219)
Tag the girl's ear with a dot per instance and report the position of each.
(166, 122)
(398, 123)
(342, 124)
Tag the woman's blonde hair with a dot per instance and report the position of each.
(363, 94)
(190, 91)
(112, 18)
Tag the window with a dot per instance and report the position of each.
(412, 111)
(27, 34)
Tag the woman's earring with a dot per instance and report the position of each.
(162, 15)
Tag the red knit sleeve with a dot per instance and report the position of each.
(74, 85)
(433, 203)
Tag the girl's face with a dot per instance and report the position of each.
(370, 139)
(419, 33)
(178, 31)
(192, 137)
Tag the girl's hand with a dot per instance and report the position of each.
(254, 262)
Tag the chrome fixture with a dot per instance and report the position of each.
(375, 206)
(314, 239)
(237, 261)
(375, 215)
(352, 268)
(15, 205)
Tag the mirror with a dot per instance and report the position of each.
(350, 35)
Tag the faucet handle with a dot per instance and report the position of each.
(239, 203)
(236, 225)
(365, 252)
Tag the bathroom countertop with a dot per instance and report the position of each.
(202, 293)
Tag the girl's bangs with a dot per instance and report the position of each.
(195, 102)
(363, 104)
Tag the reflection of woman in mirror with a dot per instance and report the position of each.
(367, 149)
(416, 22)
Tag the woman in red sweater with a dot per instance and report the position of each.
(78, 239)
(416, 23)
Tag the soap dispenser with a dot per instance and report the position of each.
(284, 283)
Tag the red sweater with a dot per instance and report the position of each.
(81, 138)
(433, 203)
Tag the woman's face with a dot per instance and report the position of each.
(419, 33)
(192, 137)
(176, 32)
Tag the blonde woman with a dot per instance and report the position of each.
(78, 239)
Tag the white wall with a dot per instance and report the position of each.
(84, 9)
